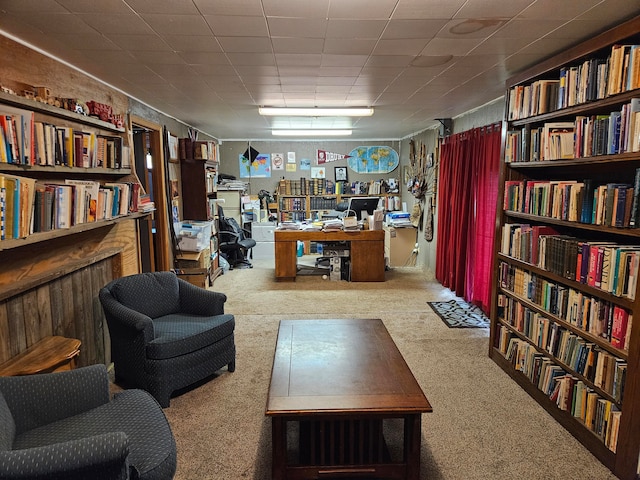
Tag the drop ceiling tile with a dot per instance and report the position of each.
(332, 84)
(53, 22)
(457, 47)
(153, 58)
(416, 28)
(295, 59)
(170, 7)
(400, 47)
(214, 70)
(493, 8)
(84, 41)
(576, 30)
(348, 46)
(533, 29)
(297, 45)
(177, 24)
(245, 44)
(567, 10)
(193, 43)
(297, 27)
(330, 60)
(380, 9)
(216, 80)
(296, 8)
(204, 58)
(258, 73)
(611, 12)
(229, 7)
(139, 42)
(471, 27)
(116, 23)
(115, 59)
(298, 75)
(237, 26)
(251, 59)
(339, 71)
(546, 47)
(388, 61)
(504, 46)
(432, 9)
(355, 29)
(82, 6)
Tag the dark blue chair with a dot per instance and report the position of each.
(65, 425)
(166, 334)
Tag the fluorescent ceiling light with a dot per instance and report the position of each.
(311, 133)
(316, 112)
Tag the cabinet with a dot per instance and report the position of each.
(565, 320)
(398, 245)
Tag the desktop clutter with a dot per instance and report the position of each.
(333, 260)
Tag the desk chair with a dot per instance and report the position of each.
(235, 242)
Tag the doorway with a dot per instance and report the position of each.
(148, 149)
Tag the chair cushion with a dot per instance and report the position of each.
(7, 425)
(134, 412)
(152, 294)
(180, 334)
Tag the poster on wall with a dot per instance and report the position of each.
(291, 167)
(291, 157)
(318, 172)
(305, 164)
(373, 159)
(259, 168)
(277, 161)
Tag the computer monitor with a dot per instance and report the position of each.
(358, 205)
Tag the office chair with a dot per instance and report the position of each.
(235, 244)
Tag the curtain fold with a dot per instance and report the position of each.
(467, 200)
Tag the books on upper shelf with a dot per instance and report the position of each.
(24, 141)
(588, 80)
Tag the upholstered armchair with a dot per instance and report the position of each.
(166, 334)
(65, 425)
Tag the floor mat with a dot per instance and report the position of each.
(459, 314)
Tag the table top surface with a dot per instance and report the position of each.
(359, 235)
(342, 366)
(44, 354)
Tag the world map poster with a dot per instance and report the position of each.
(373, 160)
(259, 168)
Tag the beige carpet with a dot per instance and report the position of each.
(483, 425)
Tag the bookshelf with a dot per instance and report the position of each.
(565, 319)
(199, 177)
(307, 198)
(51, 273)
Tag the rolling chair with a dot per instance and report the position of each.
(235, 244)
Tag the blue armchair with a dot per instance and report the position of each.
(166, 334)
(65, 425)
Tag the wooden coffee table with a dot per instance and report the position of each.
(340, 395)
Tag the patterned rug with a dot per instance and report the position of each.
(459, 314)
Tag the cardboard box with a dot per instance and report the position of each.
(201, 259)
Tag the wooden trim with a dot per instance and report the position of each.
(34, 281)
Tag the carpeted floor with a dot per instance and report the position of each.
(483, 425)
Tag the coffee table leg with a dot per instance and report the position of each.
(278, 446)
(412, 438)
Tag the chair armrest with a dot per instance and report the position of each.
(36, 400)
(232, 237)
(125, 316)
(199, 301)
(105, 454)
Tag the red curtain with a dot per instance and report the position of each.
(467, 199)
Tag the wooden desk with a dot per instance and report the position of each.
(367, 252)
(343, 403)
(51, 354)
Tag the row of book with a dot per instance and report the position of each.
(586, 201)
(197, 149)
(590, 80)
(324, 186)
(30, 206)
(293, 204)
(598, 366)
(570, 394)
(596, 316)
(587, 136)
(24, 141)
(607, 266)
(322, 203)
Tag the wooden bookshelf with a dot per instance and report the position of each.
(526, 351)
